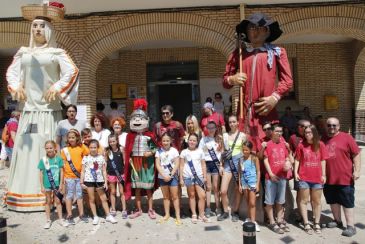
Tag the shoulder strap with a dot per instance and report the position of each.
(235, 140)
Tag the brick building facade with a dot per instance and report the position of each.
(336, 68)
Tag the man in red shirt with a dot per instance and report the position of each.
(211, 115)
(262, 64)
(174, 128)
(342, 169)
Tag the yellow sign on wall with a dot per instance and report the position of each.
(330, 102)
(119, 91)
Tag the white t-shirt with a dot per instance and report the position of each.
(101, 136)
(96, 163)
(209, 142)
(166, 158)
(122, 139)
(64, 126)
(197, 156)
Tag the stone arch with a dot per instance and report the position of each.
(16, 34)
(339, 20)
(159, 26)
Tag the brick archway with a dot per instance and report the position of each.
(339, 20)
(359, 95)
(16, 34)
(143, 27)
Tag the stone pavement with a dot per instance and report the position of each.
(28, 227)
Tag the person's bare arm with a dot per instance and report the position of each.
(357, 166)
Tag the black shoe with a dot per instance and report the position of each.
(349, 231)
(334, 224)
(235, 217)
(223, 216)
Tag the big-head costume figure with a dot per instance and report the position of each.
(255, 67)
(140, 147)
(40, 76)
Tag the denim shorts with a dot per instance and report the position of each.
(211, 168)
(236, 160)
(245, 185)
(73, 189)
(275, 192)
(191, 181)
(309, 185)
(172, 182)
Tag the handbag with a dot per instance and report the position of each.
(227, 154)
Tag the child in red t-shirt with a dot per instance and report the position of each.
(310, 171)
(277, 164)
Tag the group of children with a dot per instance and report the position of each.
(207, 164)
(82, 166)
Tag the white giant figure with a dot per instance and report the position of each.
(41, 76)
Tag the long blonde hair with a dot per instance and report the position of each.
(197, 129)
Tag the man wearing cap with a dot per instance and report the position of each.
(262, 64)
(211, 115)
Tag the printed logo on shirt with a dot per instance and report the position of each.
(278, 156)
(331, 148)
(311, 159)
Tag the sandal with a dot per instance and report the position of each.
(178, 222)
(317, 228)
(164, 219)
(284, 227)
(204, 219)
(274, 227)
(194, 219)
(308, 229)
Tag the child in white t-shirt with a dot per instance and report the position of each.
(192, 166)
(167, 164)
(93, 176)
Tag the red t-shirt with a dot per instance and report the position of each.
(294, 141)
(341, 149)
(175, 130)
(262, 165)
(310, 167)
(12, 126)
(215, 117)
(277, 154)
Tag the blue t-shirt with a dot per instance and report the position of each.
(55, 164)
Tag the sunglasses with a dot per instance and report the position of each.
(266, 129)
(165, 113)
(331, 125)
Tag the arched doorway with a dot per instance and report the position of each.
(145, 27)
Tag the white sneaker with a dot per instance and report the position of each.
(95, 220)
(48, 224)
(111, 219)
(257, 227)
